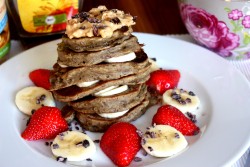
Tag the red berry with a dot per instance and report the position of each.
(162, 80)
(40, 77)
(45, 123)
(121, 143)
(169, 115)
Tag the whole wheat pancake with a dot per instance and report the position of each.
(70, 58)
(111, 104)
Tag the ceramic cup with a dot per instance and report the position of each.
(223, 26)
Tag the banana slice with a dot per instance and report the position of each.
(73, 145)
(163, 141)
(32, 98)
(124, 58)
(87, 84)
(185, 101)
(113, 115)
(154, 65)
(112, 90)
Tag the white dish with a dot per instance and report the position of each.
(223, 116)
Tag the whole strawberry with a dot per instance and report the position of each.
(169, 115)
(121, 143)
(40, 77)
(45, 123)
(162, 80)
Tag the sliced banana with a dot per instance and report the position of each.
(31, 98)
(113, 115)
(185, 101)
(87, 84)
(154, 65)
(112, 90)
(123, 58)
(73, 145)
(163, 141)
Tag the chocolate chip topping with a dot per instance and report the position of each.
(192, 117)
(191, 93)
(61, 159)
(55, 146)
(137, 159)
(85, 143)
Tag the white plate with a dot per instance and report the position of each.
(223, 116)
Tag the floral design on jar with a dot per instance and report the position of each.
(209, 31)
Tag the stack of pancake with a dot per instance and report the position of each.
(101, 69)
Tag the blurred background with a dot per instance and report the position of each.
(153, 16)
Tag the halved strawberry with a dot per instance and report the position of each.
(40, 77)
(45, 123)
(162, 80)
(121, 143)
(169, 115)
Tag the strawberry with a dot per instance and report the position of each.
(121, 143)
(169, 115)
(40, 77)
(162, 80)
(45, 123)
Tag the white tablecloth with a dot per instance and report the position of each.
(243, 66)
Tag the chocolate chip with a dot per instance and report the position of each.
(176, 135)
(143, 141)
(196, 132)
(88, 159)
(154, 59)
(182, 90)
(175, 96)
(77, 128)
(137, 159)
(144, 152)
(55, 146)
(83, 15)
(183, 102)
(115, 20)
(192, 117)
(85, 143)
(47, 143)
(134, 18)
(42, 97)
(61, 159)
(97, 141)
(124, 28)
(151, 134)
(188, 100)
(33, 111)
(191, 93)
(150, 148)
(93, 20)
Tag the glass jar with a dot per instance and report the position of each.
(41, 18)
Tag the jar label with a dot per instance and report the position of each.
(4, 31)
(42, 16)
